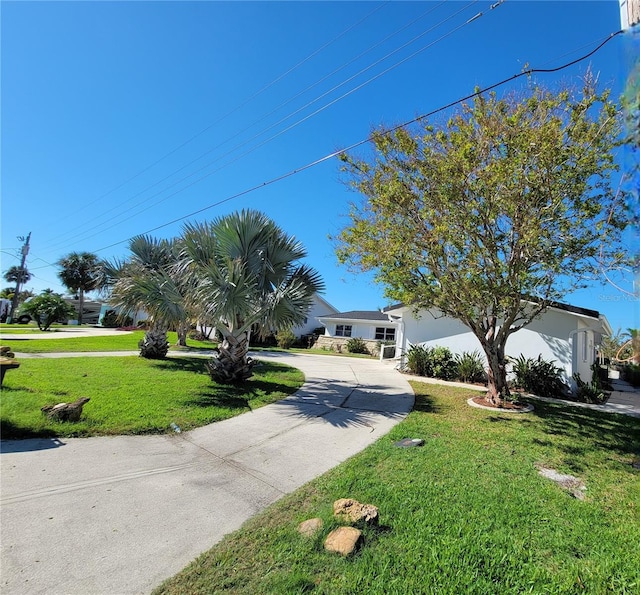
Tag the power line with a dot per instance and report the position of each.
(290, 127)
(271, 112)
(238, 107)
(290, 173)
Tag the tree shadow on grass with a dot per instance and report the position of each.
(613, 433)
(426, 404)
(514, 417)
(17, 438)
(184, 364)
(226, 400)
(240, 396)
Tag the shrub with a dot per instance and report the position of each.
(539, 377)
(442, 363)
(112, 319)
(47, 308)
(416, 359)
(435, 362)
(357, 345)
(285, 339)
(631, 374)
(591, 392)
(470, 366)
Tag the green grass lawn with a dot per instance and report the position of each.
(466, 513)
(131, 395)
(123, 342)
(127, 342)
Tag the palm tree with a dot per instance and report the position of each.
(149, 280)
(81, 272)
(243, 270)
(18, 275)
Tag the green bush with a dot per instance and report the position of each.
(112, 319)
(435, 362)
(416, 360)
(47, 308)
(357, 345)
(285, 339)
(589, 392)
(442, 363)
(539, 377)
(470, 366)
(631, 374)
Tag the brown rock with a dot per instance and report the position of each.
(343, 540)
(66, 411)
(351, 511)
(310, 527)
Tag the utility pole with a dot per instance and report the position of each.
(25, 251)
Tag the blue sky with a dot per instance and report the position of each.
(119, 117)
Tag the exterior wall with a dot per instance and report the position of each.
(556, 335)
(364, 330)
(339, 344)
(319, 308)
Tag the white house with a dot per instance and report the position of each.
(319, 307)
(372, 326)
(566, 334)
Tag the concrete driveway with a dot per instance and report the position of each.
(118, 515)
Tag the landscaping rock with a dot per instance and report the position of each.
(6, 352)
(343, 540)
(570, 483)
(310, 527)
(352, 511)
(66, 411)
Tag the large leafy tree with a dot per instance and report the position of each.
(150, 280)
(80, 272)
(47, 308)
(493, 215)
(245, 272)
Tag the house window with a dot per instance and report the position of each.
(384, 333)
(343, 330)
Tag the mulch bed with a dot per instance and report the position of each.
(509, 405)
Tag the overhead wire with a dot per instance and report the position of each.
(257, 121)
(291, 126)
(238, 107)
(526, 72)
(344, 65)
(238, 146)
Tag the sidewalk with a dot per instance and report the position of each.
(119, 515)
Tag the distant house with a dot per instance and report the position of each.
(373, 326)
(567, 334)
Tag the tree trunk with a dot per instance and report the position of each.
(154, 345)
(231, 363)
(80, 306)
(497, 387)
(182, 330)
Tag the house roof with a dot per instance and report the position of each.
(358, 315)
(557, 305)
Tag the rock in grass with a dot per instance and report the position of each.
(66, 411)
(310, 527)
(353, 512)
(570, 483)
(343, 540)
